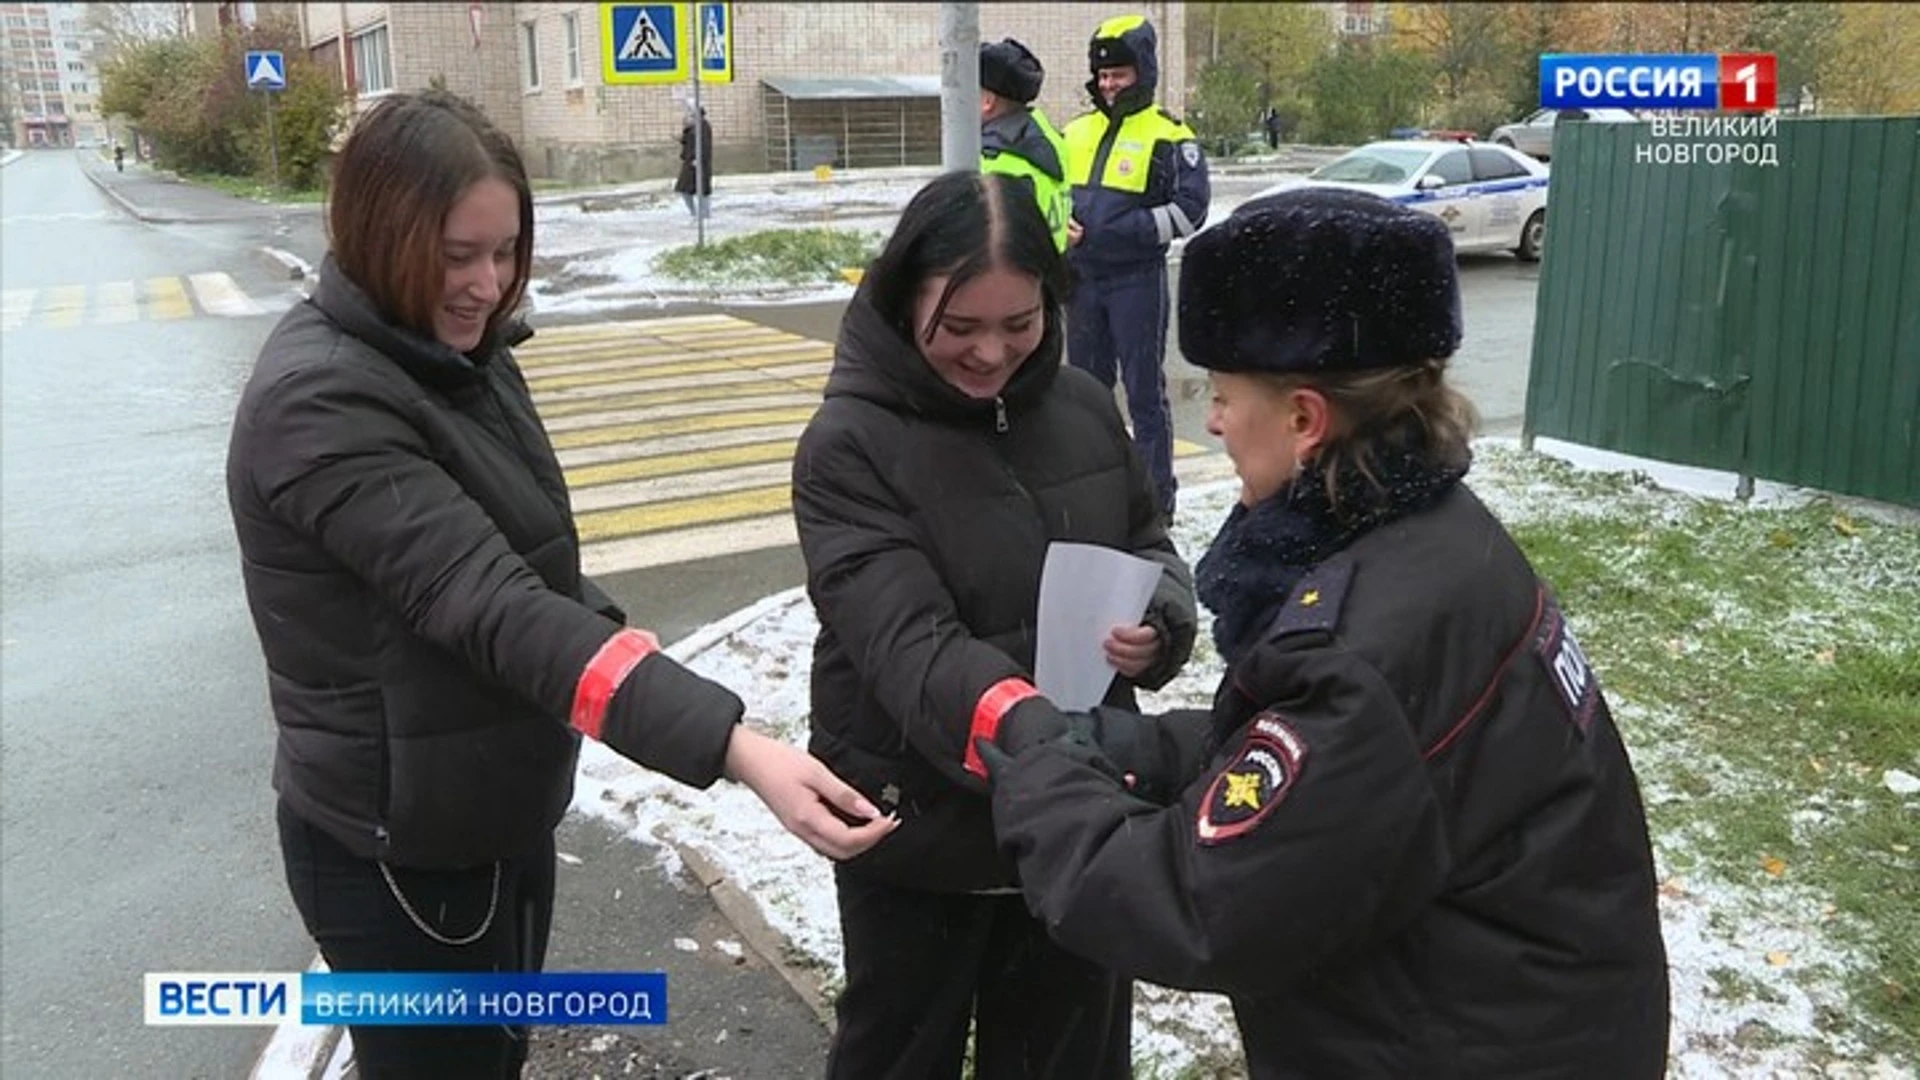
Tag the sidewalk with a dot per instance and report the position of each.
(159, 198)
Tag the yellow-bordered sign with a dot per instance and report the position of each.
(655, 43)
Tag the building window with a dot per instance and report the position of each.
(530, 55)
(571, 22)
(372, 68)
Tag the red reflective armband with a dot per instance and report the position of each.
(604, 674)
(994, 705)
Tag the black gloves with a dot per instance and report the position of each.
(1154, 757)
(1030, 723)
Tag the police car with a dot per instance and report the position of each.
(1491, 197)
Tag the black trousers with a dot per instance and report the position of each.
(921, 964)
(358, 922)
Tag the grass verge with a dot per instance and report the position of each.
(1765, 664)
(247, 187)
(772, 257)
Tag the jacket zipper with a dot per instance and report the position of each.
(1001, 426)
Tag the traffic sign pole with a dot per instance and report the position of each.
(699, 132)
(273, 143)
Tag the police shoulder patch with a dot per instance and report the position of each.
(1567, 668)
(1191, 152)
(1259, 776)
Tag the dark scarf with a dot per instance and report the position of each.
(1263, 550)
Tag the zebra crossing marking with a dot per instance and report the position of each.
(676, 436)
(160, 298)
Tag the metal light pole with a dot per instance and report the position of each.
(699, 132)
(959, 85)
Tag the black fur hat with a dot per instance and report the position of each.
(1319, 279)
(1009, 69)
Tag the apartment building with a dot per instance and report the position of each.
(49, 84)
(204, 19)
(846, 84)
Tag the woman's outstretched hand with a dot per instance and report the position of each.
(807, 798)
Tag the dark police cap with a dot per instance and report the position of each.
(1009, 69)
(1319, 280)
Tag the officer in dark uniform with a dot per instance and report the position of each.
(1139, 181)
(1407, 840)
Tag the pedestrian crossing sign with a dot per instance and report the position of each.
(266, 70)
(645, 43)
(716, 42)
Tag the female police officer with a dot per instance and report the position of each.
(1407, 841)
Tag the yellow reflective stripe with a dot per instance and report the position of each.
(1131, 158)
(1118, 25)
(1083, 142)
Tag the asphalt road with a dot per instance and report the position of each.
(135, 821)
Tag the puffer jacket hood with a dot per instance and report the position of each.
(1120, 41)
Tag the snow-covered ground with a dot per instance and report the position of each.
(597, 253)
(1712, 928)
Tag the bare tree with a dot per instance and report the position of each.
(116, 26)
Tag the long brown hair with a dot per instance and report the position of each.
(409, 159)
(1379, 410)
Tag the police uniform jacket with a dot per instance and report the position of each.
(1414, 846)
(1023, 143)
(1138, 174)
(413, 573)
(924, 518)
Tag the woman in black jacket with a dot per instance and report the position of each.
(953, 446)
(1407, 840)
(695, 182)
(411, 564)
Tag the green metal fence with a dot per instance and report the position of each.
(1755, 318)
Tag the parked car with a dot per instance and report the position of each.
(1492, 198)
(1534, 135)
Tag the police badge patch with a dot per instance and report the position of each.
(1191, 151)
(1247, 790)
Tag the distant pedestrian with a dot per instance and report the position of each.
(119, 158)
(1271, 123)
(433, 652)
(695, 184)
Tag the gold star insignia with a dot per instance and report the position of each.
(890, 794)
(1310, 598)
(1243, 789)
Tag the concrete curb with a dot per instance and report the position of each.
(8, 157)
(743, 913)
(123, 202)
(296, 268)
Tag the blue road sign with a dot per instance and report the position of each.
(266, 70)
(716, 42)
(645, 42)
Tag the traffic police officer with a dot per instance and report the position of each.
(1139, 180)
(1407, 839)
(1015, 138)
